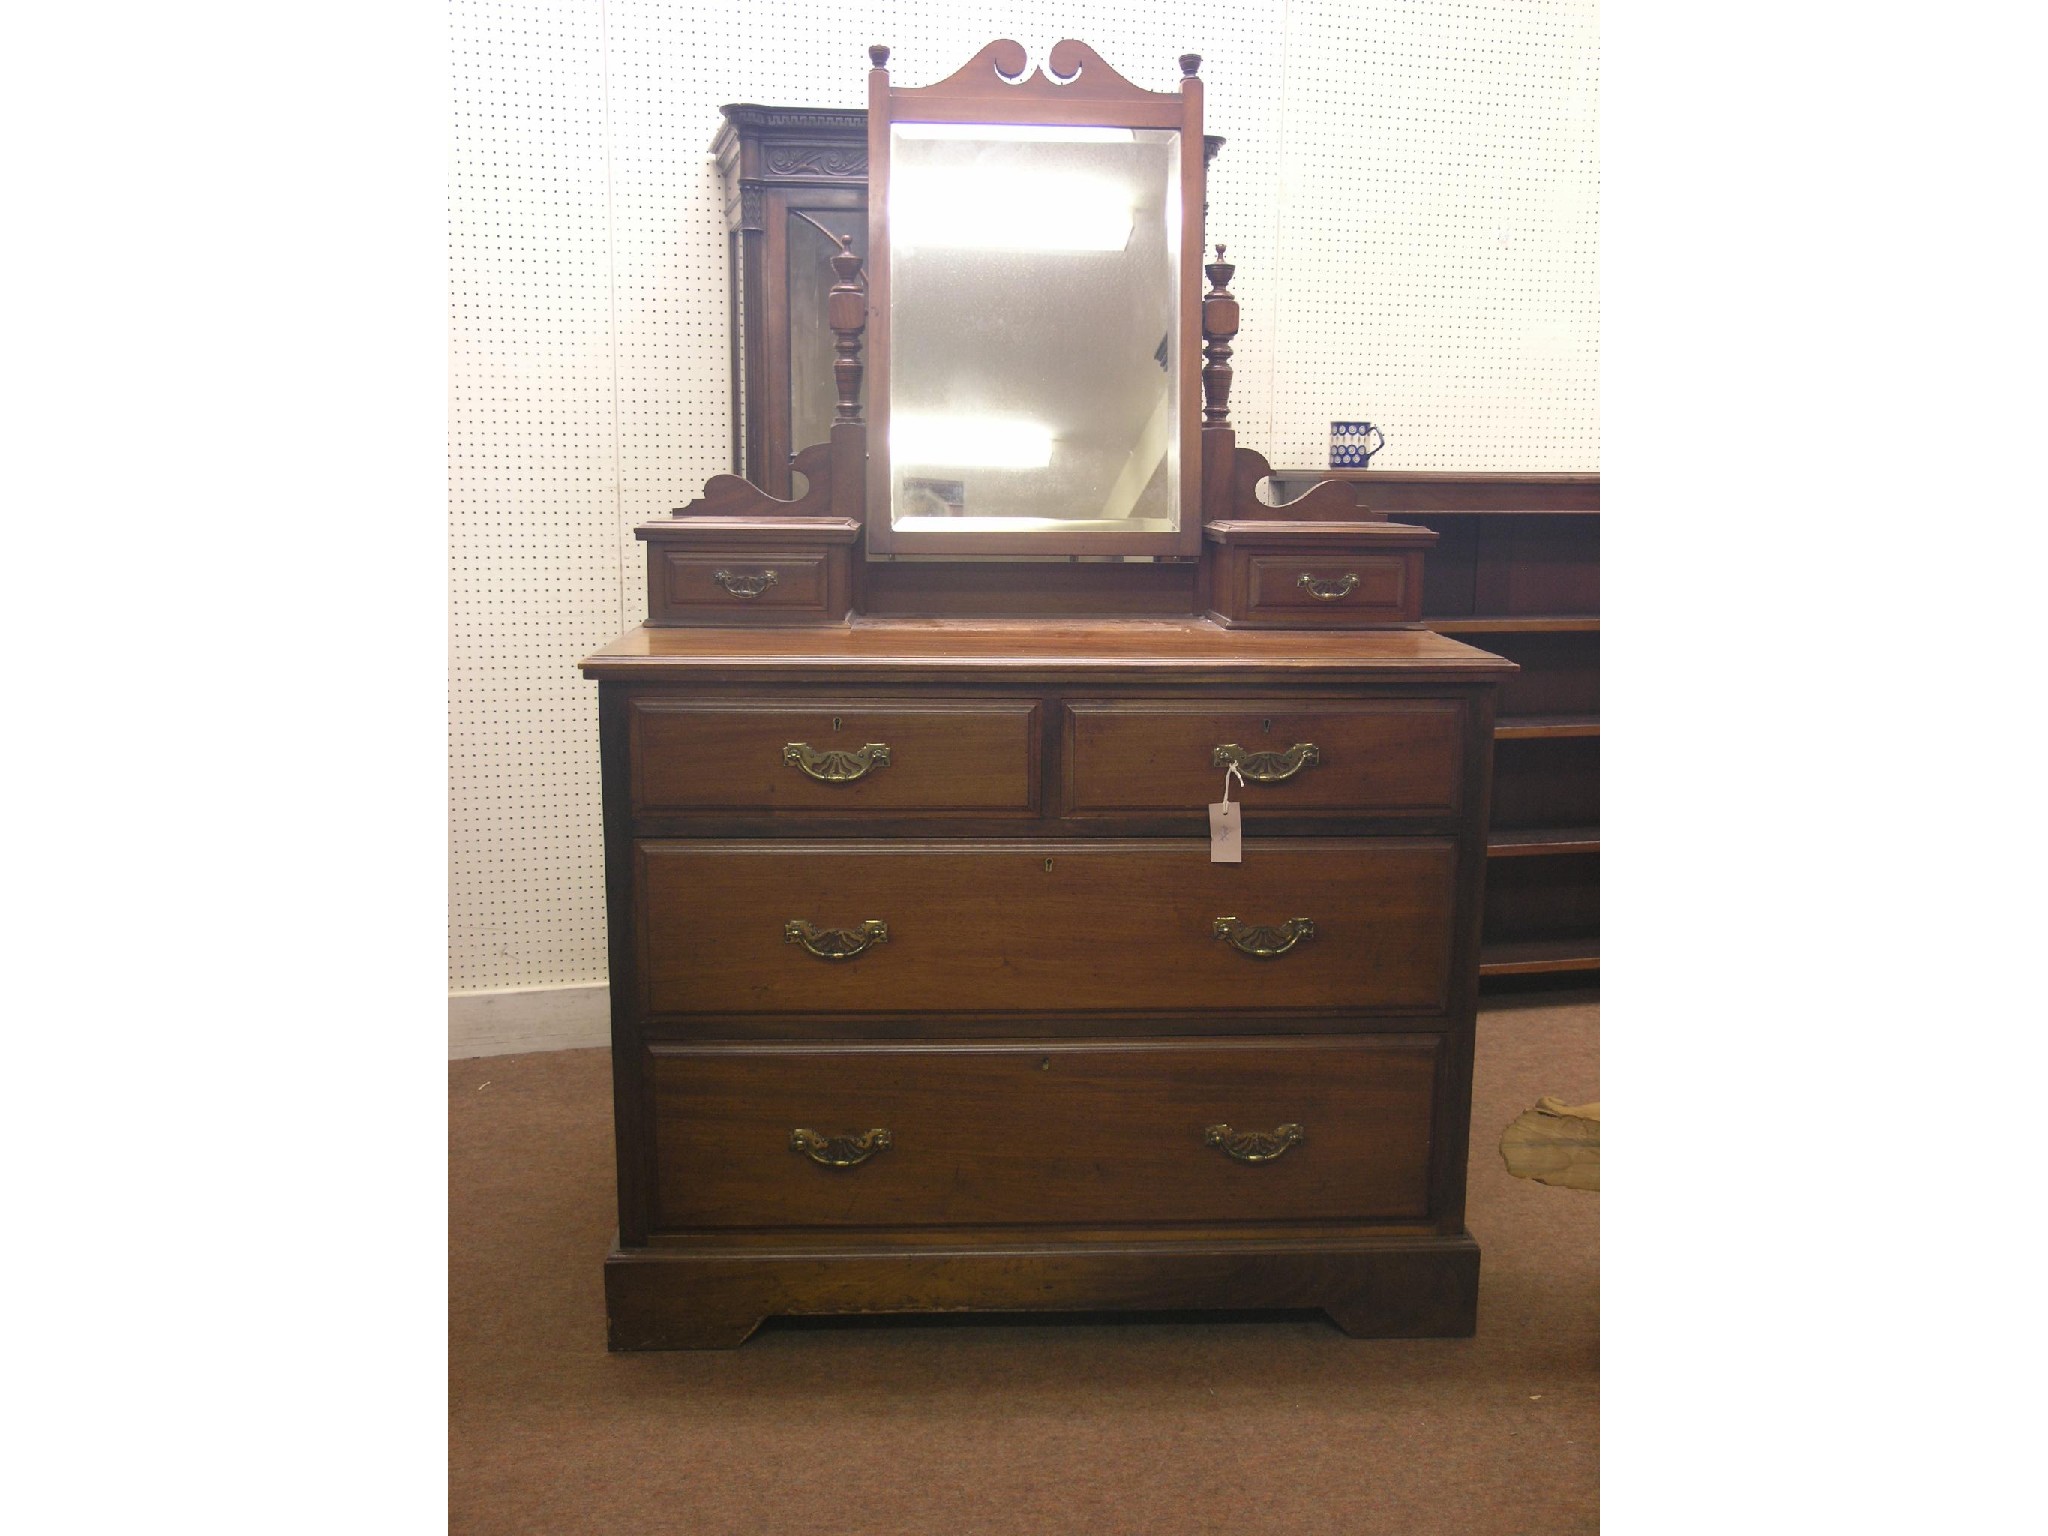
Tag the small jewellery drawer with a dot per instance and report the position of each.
(1073, 926)
(890, 1136)
(741, 587)
(1295, 588)
(748, 572)
(1370, 757)
(937, 756)
(1317, 575)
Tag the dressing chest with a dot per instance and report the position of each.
(930, 989)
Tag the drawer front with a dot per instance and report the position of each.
(1308, 585)
(812, 758)
(1317, 588)
(1376, 757)
(1072, 1134)
(749, 587)
(892, 928)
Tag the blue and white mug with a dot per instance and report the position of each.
(1353, 443)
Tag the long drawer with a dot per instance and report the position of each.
(823, 758)
(1383, 757)
(908, 927)
(1233, 1130)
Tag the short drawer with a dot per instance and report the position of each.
(1294, 587)
(1334, 924)
(825, 758)
(710, 587)
(1316, 576)
(889, 1136)
(1373, 757)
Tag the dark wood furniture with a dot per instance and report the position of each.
(927, 994)
(793, 177)
(1516, 566)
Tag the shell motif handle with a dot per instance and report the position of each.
(1253, 1146)
(1329, 591)
(1267, 767)
(840, 1151)
(836, 943)
(1264, 941)
(835, 766)
(745, 586)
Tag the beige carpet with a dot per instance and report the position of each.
(900, 1428)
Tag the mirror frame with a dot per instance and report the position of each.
(1081, 91)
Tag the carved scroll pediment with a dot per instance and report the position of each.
(1077, 72)
(731, 496)
(1326, 499)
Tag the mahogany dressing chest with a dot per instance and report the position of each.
(931, 989)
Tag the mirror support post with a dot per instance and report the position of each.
(1219, 439)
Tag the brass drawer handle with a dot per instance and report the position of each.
(839, 1151)
(1328, 591)
(836, 767)
(1264, 941)
(744, 586)
(1253, 1146)
(836, 943)
(1267, 767)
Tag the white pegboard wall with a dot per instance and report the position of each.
(588, 378)
(1439, 203)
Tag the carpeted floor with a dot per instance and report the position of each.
(966, 1427)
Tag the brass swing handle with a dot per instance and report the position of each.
(1267, 767)
(1328, 591)
(745, 586)
(1263, 941)
(836, 767)
(1253, 1146)
(836, 943)
(839, 1151)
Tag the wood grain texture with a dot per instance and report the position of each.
(714, 1297)
(1112, 924)
(1187, 650)
(746, 571)
(1460, 490)
(1043, 1133)
(1315, 574)
(943, 755)
(1082, 90)
(1385, 757)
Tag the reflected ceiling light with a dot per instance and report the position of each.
(970, 442)
(1007, 210)
(1014, 133)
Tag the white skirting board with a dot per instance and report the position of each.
(503, 1023)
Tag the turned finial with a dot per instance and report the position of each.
(878, 56)
(1189, 63)
(1219, 325)
(846, 312)
(1220, 273)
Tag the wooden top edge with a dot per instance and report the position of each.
(1281, 530)
(1037, 648)
(760, 530)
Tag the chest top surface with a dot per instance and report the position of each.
(912, 649)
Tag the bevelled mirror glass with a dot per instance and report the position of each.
(1034, 366)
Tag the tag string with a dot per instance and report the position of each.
(1230, 772)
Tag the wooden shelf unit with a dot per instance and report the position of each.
(1517, 570)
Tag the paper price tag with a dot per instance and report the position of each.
(1226, 833)
(1226, 828)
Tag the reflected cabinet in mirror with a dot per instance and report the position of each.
(1033, 293)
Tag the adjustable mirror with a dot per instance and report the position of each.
(1034, 311)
